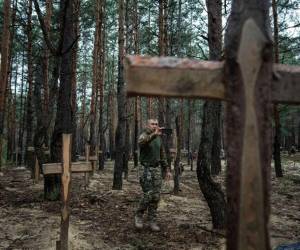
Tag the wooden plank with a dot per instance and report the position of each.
(77, 167)
(174, 77)
(286, 84)
(66, 184)
(169, 76)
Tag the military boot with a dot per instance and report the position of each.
(154, 227)
(138, 221)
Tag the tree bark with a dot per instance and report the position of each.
(46, 58)
(179, 131)
(76, 11)
(211, 190)
(216, 148)
(29, 116)
(112, 126)
(22, 113)
(137, 102)
(163, 103)
(4, 68)
(277, 136)
(101, 68)
(63, 122)
(276, 144)
(120, 132)
(211, 120)
(96, 54)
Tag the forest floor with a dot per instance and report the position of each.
(102, 218)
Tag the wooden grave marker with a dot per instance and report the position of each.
(88, 158)
(65, 169)
(172, 77)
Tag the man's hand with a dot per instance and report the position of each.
(157, 131)
(168, 175)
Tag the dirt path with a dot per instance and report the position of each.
(103, 218)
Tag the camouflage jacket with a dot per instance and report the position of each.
(151, 149)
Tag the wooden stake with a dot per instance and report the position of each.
(66, 185)
(87, 158)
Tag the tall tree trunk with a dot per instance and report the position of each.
(149, 37)
(137, 102)
(83, 116)
(277, 137)
(211, 190)
(211, 115)
(112, 112)
(96, 54)
(12, 118)
(126, 145)
(276, 143)
(128, 48)
(4, 68)
(10, 98)
(63, 122)
(42, 94)
(120, 133)
(46, 57)
(216, 147)
(40, 136)
(101, 82)
(76, 11)
(179, 133)
(163, 103)
(22, 113)
(189, 149)
(29, 116)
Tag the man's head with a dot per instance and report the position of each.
(152, 124)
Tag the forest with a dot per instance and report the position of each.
(66, 70)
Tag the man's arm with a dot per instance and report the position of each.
(145, 138)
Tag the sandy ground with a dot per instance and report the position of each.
(102, 218)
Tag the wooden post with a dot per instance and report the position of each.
(249, 146)
(87, 158)
(66, 185)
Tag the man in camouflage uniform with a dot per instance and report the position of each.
(152, 159)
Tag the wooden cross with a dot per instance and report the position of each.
(92, 158)
(172, 77)
(65, 169)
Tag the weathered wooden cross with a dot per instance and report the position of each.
(248, 97)
(92, 158)
(65, 169)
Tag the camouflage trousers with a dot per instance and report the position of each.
(151, 181)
